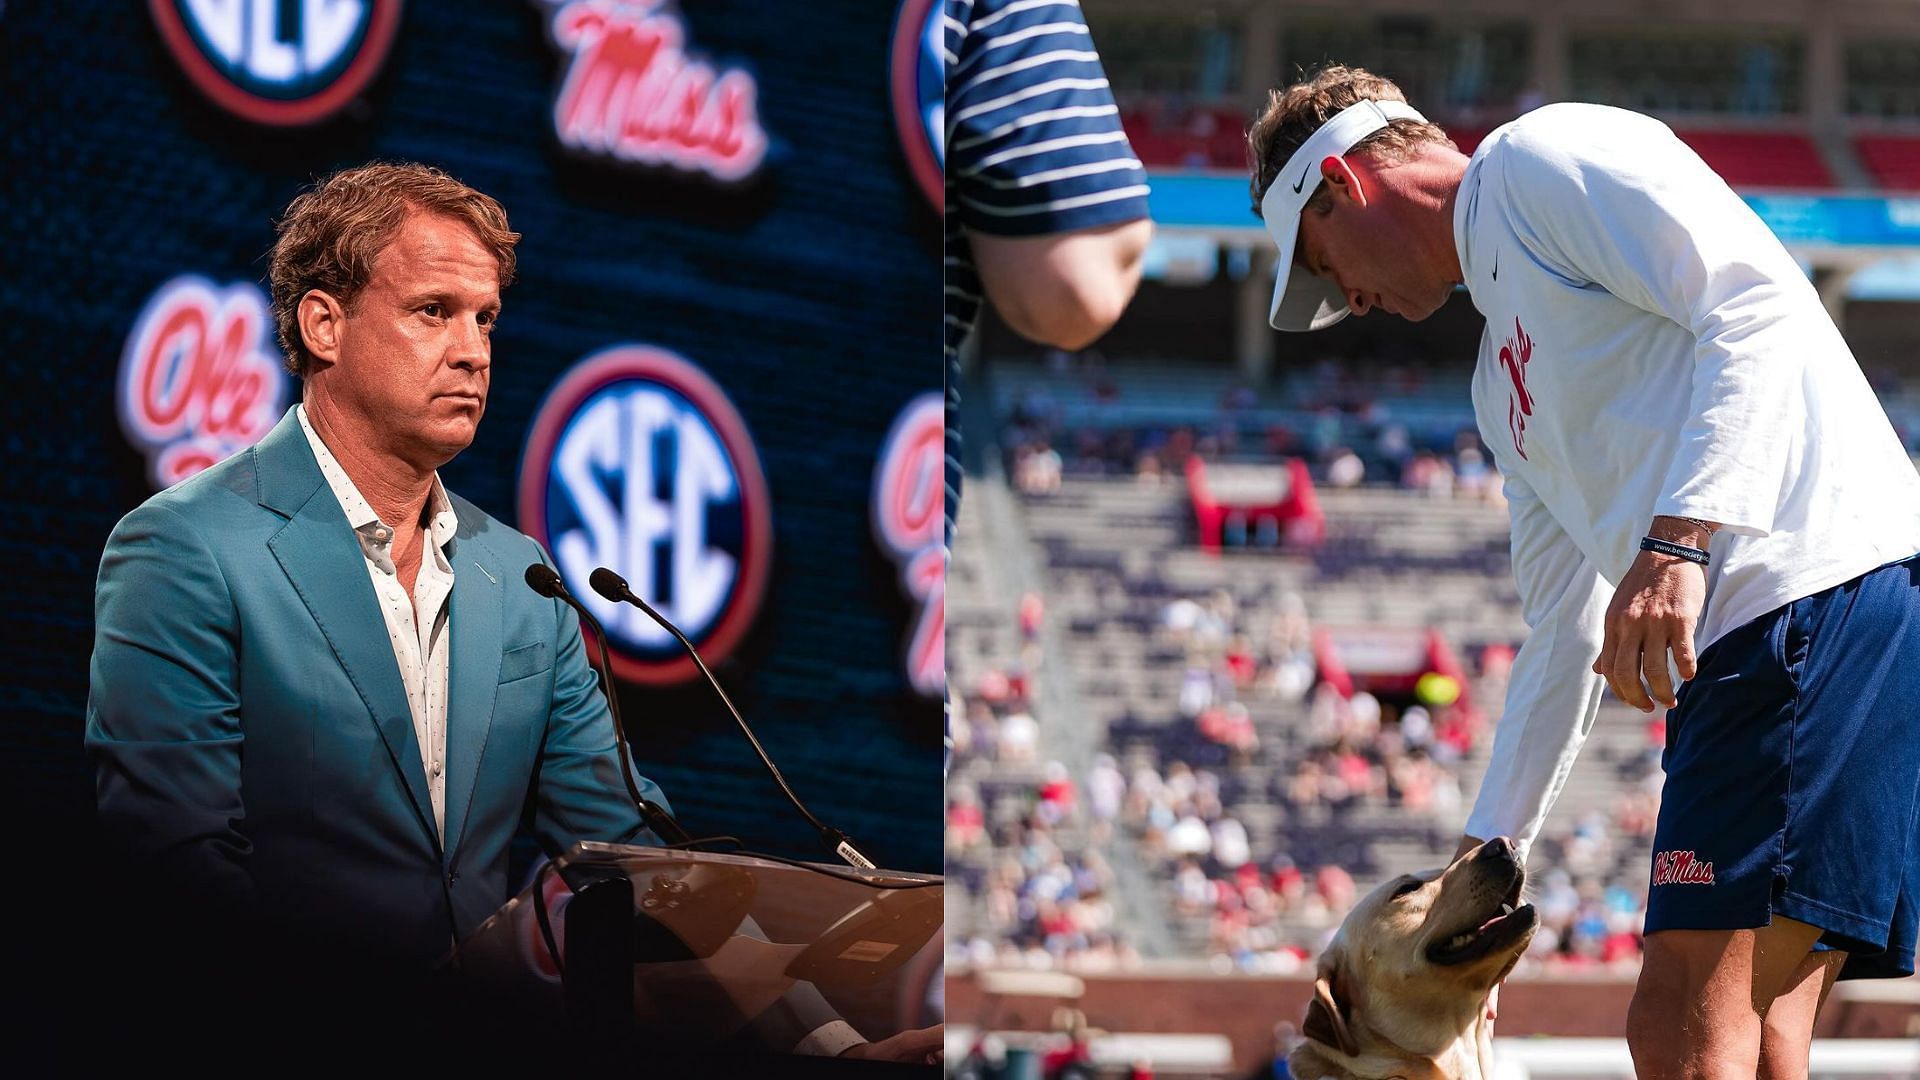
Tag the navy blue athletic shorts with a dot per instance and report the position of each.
(1793, 776)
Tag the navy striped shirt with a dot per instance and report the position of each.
(1033, 147)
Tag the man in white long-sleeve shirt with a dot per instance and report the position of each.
(1702, 483)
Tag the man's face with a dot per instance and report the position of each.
(1364, 245)
(416, 351)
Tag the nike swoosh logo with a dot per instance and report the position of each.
(1303, 181)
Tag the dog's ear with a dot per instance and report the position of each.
(1327, 1016)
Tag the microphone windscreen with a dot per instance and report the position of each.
(608, 584)
(542, 579)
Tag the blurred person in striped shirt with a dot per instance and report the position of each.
(1046, 208)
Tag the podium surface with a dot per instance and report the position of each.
(701, 947)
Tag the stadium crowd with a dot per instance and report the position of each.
(1031, 842)
(1022, 842)
(1343, 425)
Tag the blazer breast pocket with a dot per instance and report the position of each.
(525, 662)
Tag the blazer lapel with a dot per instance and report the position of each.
(320, 556)
(473, 673)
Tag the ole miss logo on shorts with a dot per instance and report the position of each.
(280, 62)
(909, 501)
(638, 462)
(200, 377)
(1681, 868)
(918, 75)
(632, 93)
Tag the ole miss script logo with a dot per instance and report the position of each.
(1515, 355)
(1681, 868)
(632, 92)
(909, 505)
(282, 62)
(199, 378)
(638, 462)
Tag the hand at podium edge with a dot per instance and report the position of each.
(923, 1046)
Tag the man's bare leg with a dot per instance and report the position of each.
(1698, 1012)
(1787, 1032)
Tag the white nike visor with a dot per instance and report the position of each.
(1303, 300)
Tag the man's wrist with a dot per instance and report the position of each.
(1693, 532)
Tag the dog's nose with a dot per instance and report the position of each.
(1498, 849)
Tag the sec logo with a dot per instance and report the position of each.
(918, 76)
(637, 461)
(279, 62)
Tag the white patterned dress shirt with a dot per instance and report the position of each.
(417, 625)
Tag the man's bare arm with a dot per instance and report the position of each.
(1065, 289)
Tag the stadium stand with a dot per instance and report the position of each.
(1761, 159)
(1212, 138)
(1253, 795)
(1892, 160)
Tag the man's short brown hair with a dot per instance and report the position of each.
(1294, 114)
(330, 236)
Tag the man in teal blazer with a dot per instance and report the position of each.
(252, 736)
(255, 728)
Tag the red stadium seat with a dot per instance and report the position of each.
(1152, 146)
(1762, 159)
(1467, 138)
(1892, 160)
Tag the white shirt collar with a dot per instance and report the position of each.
(375, 535)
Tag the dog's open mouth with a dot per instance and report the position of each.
(1513, 921)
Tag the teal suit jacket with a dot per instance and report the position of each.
(250, 733)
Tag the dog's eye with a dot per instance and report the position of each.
(1406, 887)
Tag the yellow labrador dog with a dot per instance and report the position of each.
(1402, 990)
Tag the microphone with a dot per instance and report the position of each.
(544, 580)
(614, 588)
